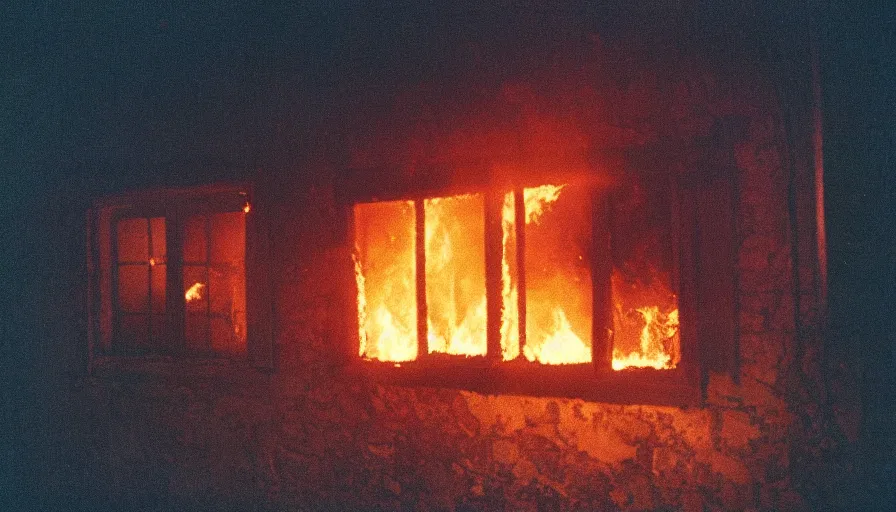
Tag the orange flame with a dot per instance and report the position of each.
(387, 312)
(455, 290)
(194, 292)
(455, 275)
(362, 305)
(558, 344)
(561, 346)
(645, 336)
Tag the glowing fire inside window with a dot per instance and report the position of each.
(555, 270)
(385, 270)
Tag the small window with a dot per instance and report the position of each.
(169, 274)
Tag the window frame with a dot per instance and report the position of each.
(594, 381)
(175, 205)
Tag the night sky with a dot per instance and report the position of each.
(100, 97)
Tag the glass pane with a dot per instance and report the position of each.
(228, 237)
(225, 338)
(194, 239)
(510, 321)
(558, 274)
(455, 274)
(196, 332)
(195, 289)
(385, 265)
(227, 290)
(159, 281)
(645, 304)
(133, 240)
(133, 331)
(159, 253)
(133, 288)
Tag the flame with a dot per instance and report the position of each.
(645, 336)
(561, 346)
(558, 308)
(538, 201)
(455, 275)
(362, 304)
(510, 326)
(247, 207)
(387, 311)
(558, 343)
(194, 292)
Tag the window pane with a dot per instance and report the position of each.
(159, 282)
(159, 252)
(195, 289)
(194, 239)
(645, 304)
(133, 288)
(455, 274)
(228, 237)
(227, 292)
(385, 274)
(558, 274)
(216, 291)
(133, 240)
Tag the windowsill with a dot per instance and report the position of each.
(629, 387)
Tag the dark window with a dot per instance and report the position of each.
(171, 274)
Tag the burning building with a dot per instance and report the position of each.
(590, 278)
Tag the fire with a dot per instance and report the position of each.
(194, 292)
(646, 336)
(557, 276)
(554, 341)
(384, 264)
(455, 275)
(362, 304)
(510, 327)
(561, 346)
(538, 201)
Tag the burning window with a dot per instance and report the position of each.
(170, 273)
(424, 286)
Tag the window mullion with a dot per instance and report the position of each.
(493, 285)
(519, 214)
(420, 256)
(601, 271)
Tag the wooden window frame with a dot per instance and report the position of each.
(175, 205)
(681, 386)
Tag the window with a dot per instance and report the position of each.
(173, 273)
(566, 288)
